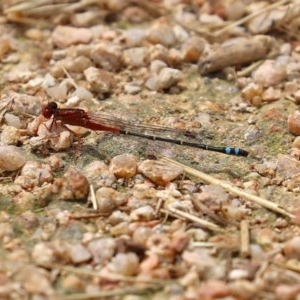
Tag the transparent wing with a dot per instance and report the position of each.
(137, 127)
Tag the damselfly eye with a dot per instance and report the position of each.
(52, 106)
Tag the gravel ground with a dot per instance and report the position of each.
(93, 214)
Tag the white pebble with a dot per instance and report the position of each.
(270, 73)
(43, 254)
(11, 158)
(102, 250)
(168, 77)
(135, 57)
(79, 254)
(125, 263)
(12, 120)
(82, 94)
(145, 213)
(157, 65)
(10, 135)
(123, 166)
(64, 36)
(101, 81)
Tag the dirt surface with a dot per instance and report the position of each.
(93, 215)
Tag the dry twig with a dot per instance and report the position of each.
(176, 212)
(207, 178)
(245, 239)
(249, 17)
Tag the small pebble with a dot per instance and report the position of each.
(141, 191)
(264, 236)
(234, 213)
(161, 33)
(132, 88)
(34, 34)
(193, 48)
(121, 229)
(109, 199)
(235, 10)
(25, 200)
(126, 264)
(269, 73)
(152, 83)
(294, 123)
(57, 91)
(65, 36)
(43, 254)
(141, 234)
(244, 289)
(102, 250)
(297, 96)
(12, 120)
(29, 275)
(5, 47)
(181, 34)
(28, 220)
(10, 135)
(78, 64)
(252, 90)
(106, 58)
(87, 18)
(72, 283)
(99, 175)
(123, 166)
(291, 87)
(81, 93)
(159, 172)
(72, 186)
(213, 289)
(175, 58)
(168, 77)
(296, 142)
(101, 81)
(237, 274)
(287, 167)
(116, 5)
(271, 94)
(156, 66)
(64, 141)
(78, 253)
(287, 291)
(292, 248)
(34, 174)
(117, 217)
(11, 158)
(135, 14)
(143, 213)
(158, 52)
(133, 37)
(135, 57)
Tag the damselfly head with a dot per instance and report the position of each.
(49, 110)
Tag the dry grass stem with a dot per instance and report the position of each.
(245, 239)
(236, 191)
(104, 275)
(176, 212)
(93, 197)
(113, 293)
(292, 267)
(248, 70)
(201, 207)
(203, 245)
(249, 17)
